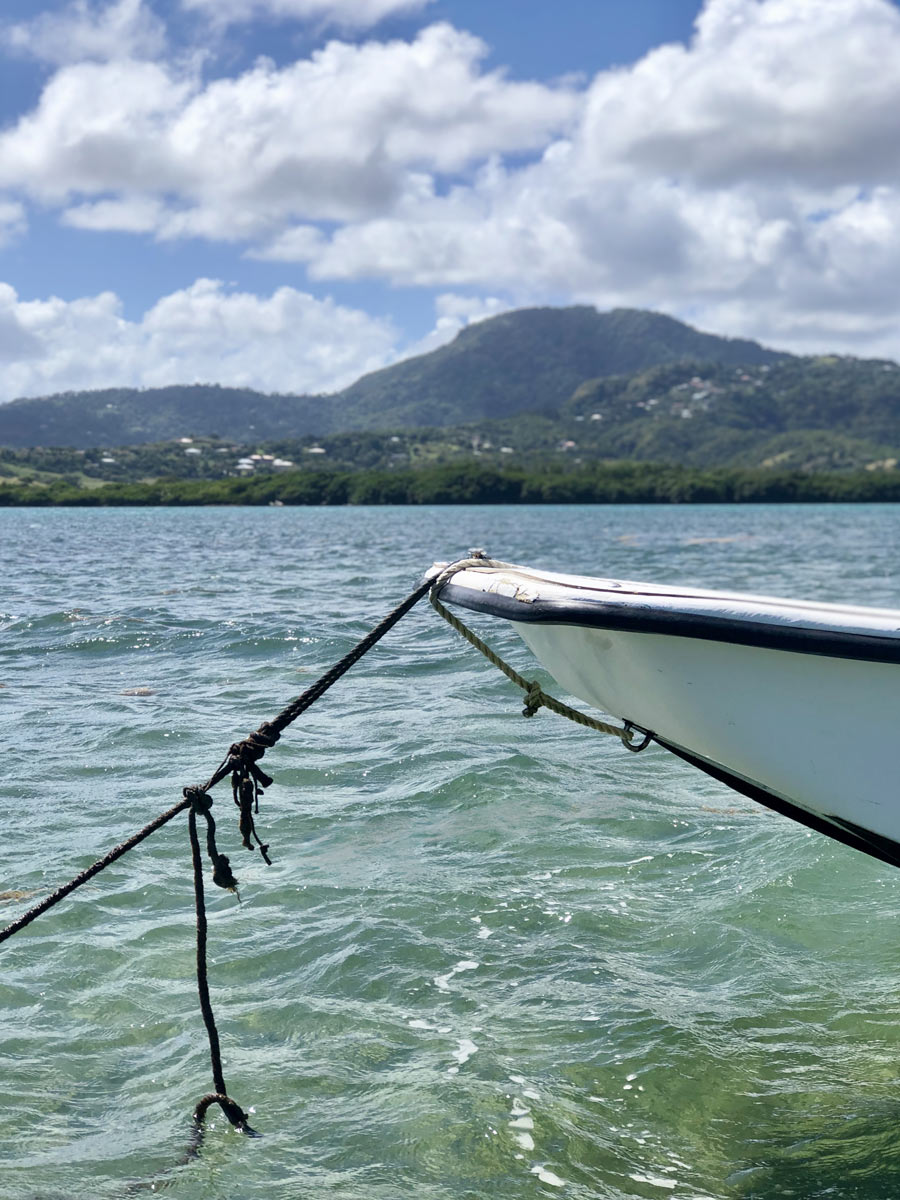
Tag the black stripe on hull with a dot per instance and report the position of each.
(644, 617)
(855, 836)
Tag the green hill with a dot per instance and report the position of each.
(705, 413)
(524, 361)
(131, 416)
(531, 360)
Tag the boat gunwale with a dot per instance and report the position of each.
(621, 617)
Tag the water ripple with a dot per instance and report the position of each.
(492, 958)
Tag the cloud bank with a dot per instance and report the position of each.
(748, 181)
(121, 29)
(288, 341)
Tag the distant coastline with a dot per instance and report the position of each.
(610, 483)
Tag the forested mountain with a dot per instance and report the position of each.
(525, 361)
(823, 414)
(815, 413)
(531, 360)
(526, 389)
(131, 416)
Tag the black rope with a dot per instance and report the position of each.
(201, 802)
(250, 750)
(233, 1111)
(248, 780)
(95, 869)
(246, 754)
(248, 783)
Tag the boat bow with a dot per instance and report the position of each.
(791, 702)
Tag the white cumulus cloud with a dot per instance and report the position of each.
(99, 127)
(137, 214)
(344, 135)
(82, 30)
(357, 14)
(749, 179)
(13, 220)
(287, 342)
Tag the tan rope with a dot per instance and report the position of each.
(536, 696)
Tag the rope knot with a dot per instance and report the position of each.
(534, 699)
(201, 801)
(245, 755)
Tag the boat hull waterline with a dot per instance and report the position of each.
(791, 703)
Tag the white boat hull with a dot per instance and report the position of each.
(810, 733)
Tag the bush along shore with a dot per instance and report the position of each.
(610, 483)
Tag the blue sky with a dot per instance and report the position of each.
(287, 193)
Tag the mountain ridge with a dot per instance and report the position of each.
(525, 360)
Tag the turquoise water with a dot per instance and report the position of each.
(493, 958)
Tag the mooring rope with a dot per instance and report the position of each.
(535, 696)
(248, 782)
(241, 756)
(100, 865)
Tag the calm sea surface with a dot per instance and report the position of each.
(493, 958)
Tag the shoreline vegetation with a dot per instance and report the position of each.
(598, 483)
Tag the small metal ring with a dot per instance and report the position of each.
(630, 727)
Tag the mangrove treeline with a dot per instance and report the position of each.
(469, 483)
